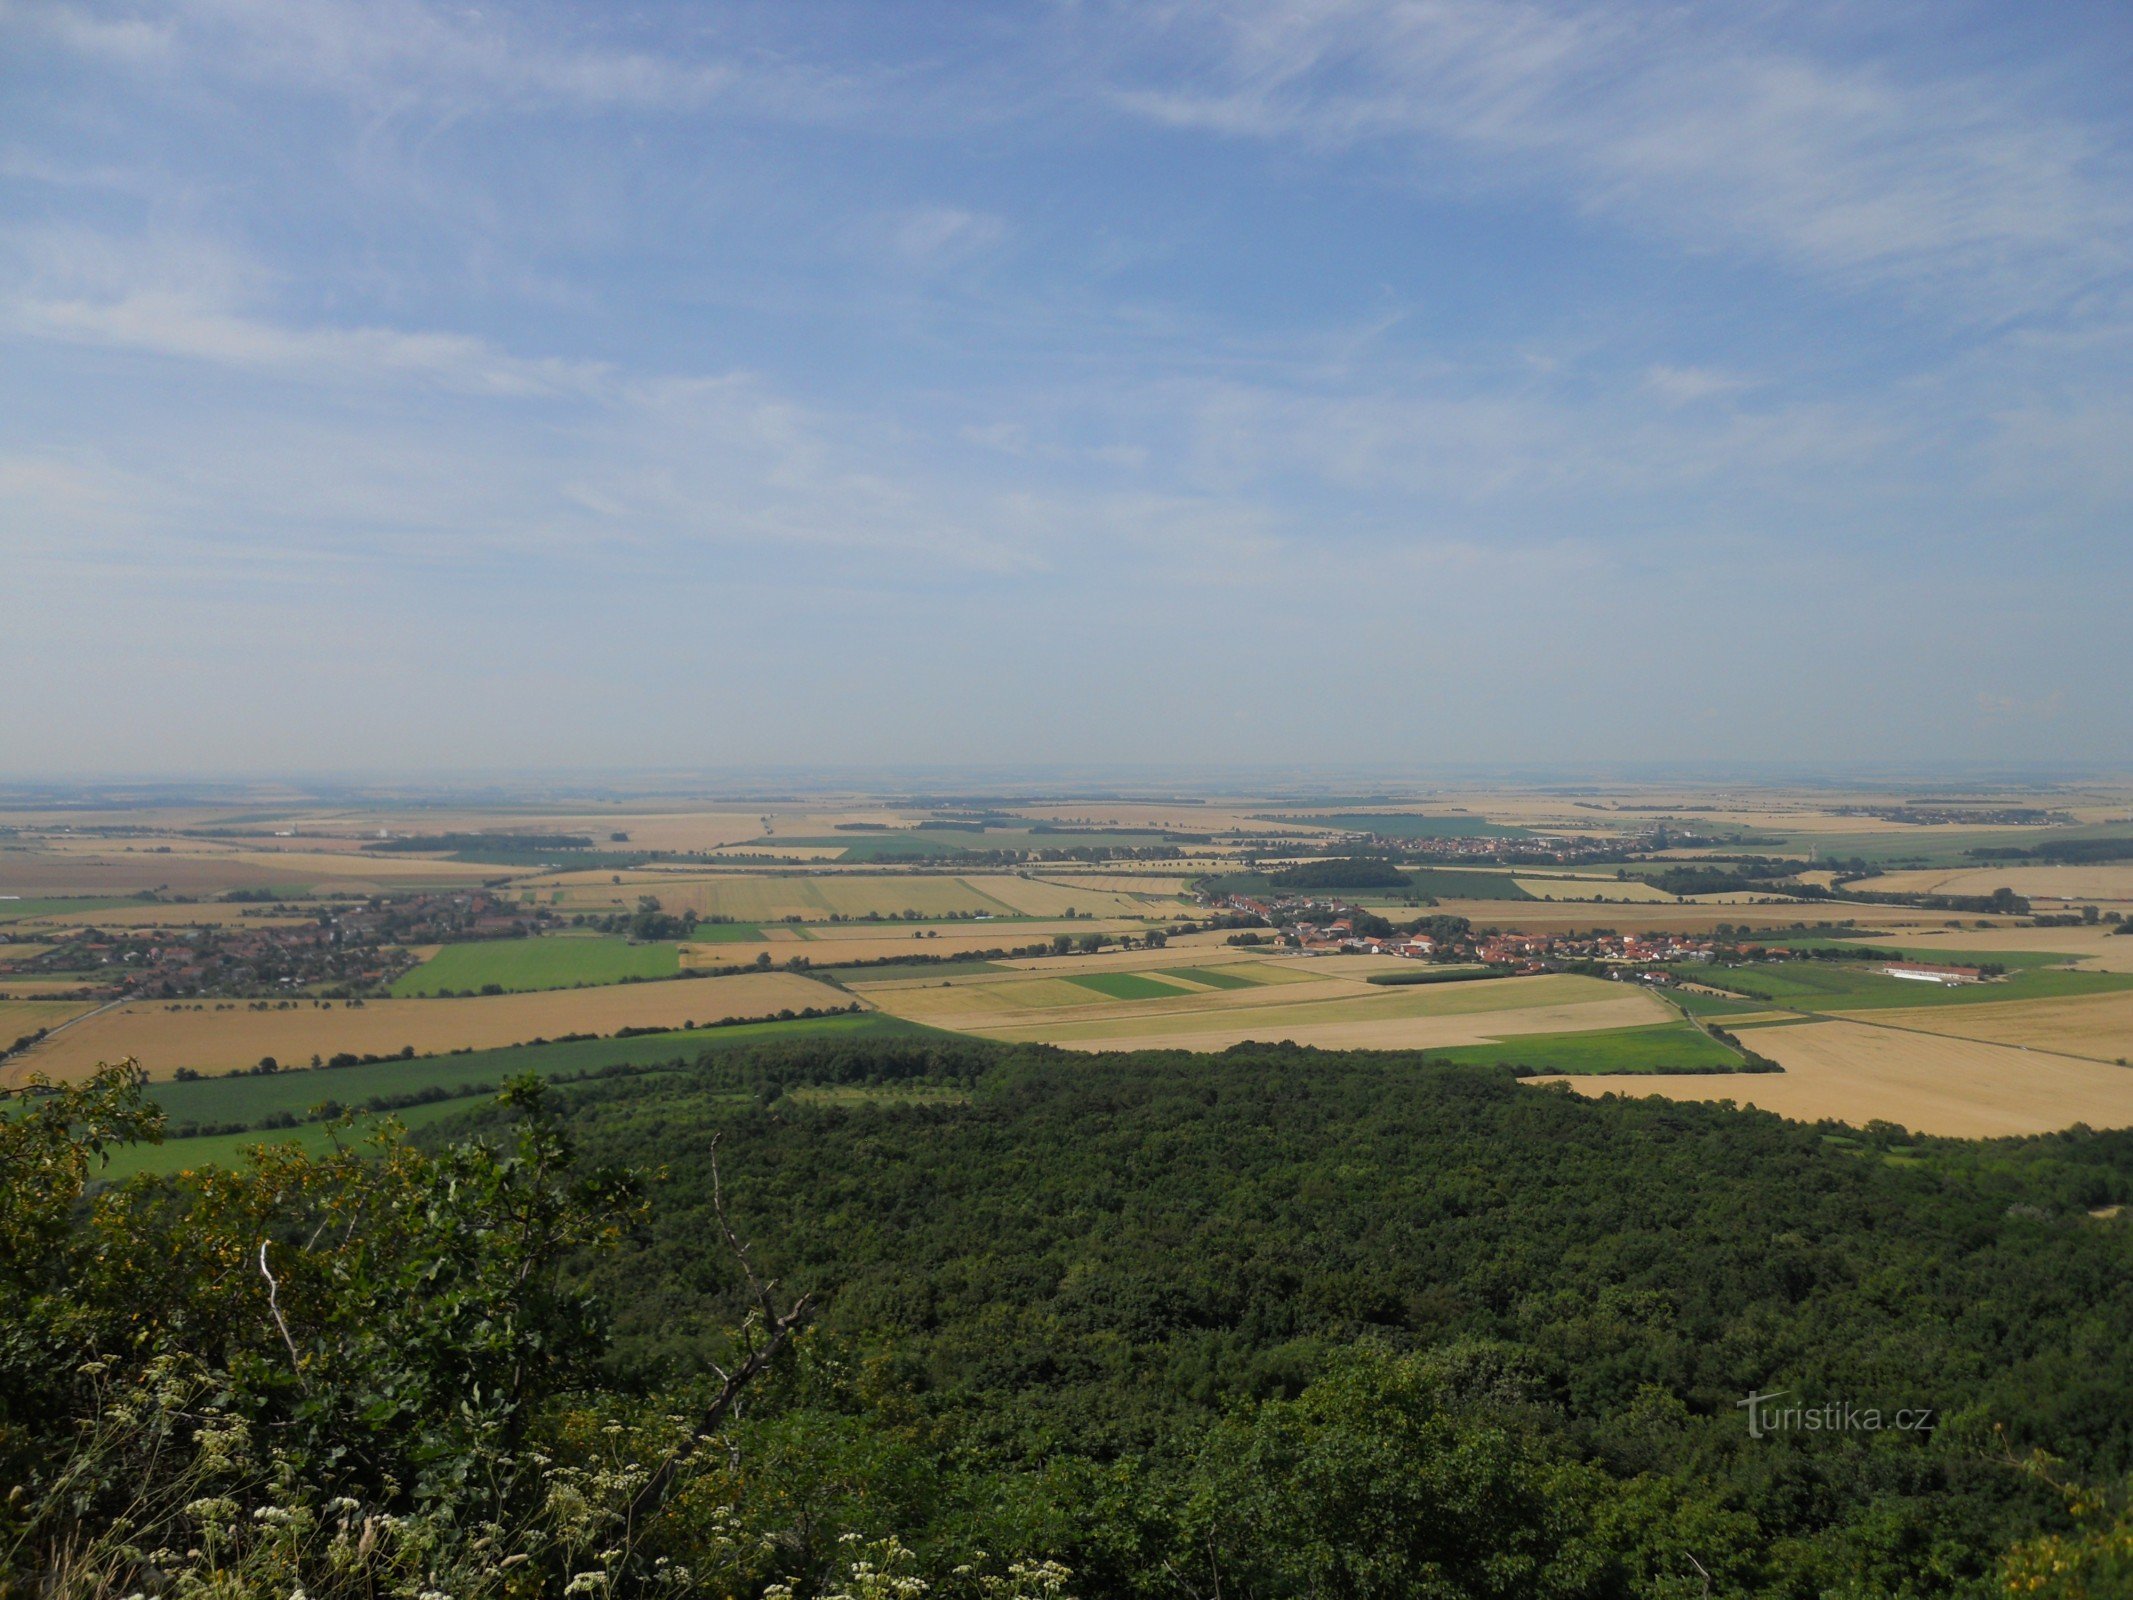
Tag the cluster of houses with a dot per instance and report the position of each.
(1610, 949)
(1339, 936)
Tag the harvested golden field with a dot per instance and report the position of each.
(816, 896)
(1278, 999)
(168, 1035)
(830, 944)
(1593, 888)
(117, 871)
(1526, 916)
(147, 914)
(19, 1017)
(1856, 1073)
(1040, 896)
(2099, 1025)
(1162, 880)
(2097, 949)
(2102, 882)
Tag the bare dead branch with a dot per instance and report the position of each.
(296, 1362)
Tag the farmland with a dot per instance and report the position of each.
(166, 1036)
(1664, 1047)
(1325, 1002)
(813, 897)
(1858, 1073)
(20, 1017)
(555, 962)
(2099, 1026)
(869, 889)
(1836, 986)
(252, 1099)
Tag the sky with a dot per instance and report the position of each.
(424, 387)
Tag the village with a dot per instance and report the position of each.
(346, 949)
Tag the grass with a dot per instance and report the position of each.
(67, 906)
(516, 966)
(1125, 985)
(1212, 977)
(230, 1149)
(1711, 1005)
(1852, 946)
(1451, 883)
(1824, 986)
(1662, 1047)
(726, 932)
(254, 1098)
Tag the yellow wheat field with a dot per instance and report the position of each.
(1856, 1073)
(1289, 1001)
(165, 1036)
(2097, 1025)
(2104, 882)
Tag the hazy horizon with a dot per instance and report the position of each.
(1475, 384)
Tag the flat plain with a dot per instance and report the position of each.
(1328, 1002)
(165, 1036)
(1859, 1073)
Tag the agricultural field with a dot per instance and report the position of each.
(1592, 887)
(165, 1036)
(59, 908)
(2098, 1026)
(558, 961)
(1532, 916)
(253, 1098)
(2089, 949)
(20, 1017)
(1858, 1073)
(816, 897)
(1409, 824)
(1156, 1000)
(1663, 1047)
(1836, 986)
(2102, 883)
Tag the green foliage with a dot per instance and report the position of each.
(1275, 1323)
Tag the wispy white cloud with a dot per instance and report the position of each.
(406, 53)
(1957, 187)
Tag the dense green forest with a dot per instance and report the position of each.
(1275, 1322)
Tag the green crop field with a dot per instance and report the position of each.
(558, 961)
(1663, 1047)
(726, 932)
(1125, 985)
(232, 1149)
(1711, 1005)
(252, 1098)
(1820, 986)
(1213, 977)
(1853, 947)
(1450, 883)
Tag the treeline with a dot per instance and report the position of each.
(2060, 850)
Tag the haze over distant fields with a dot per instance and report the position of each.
(412, 385)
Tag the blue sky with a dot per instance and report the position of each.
(422, 386)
